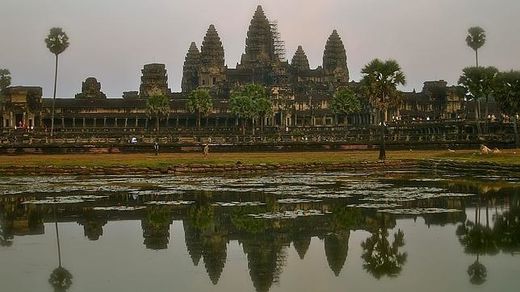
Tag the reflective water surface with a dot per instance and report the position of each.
(397, 231)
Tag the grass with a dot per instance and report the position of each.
(169, 159)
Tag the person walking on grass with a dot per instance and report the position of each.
(156, 148)
(206, 150)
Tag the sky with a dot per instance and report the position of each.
(112, 39)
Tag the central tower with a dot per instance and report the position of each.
(260, 49)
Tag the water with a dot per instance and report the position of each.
(397, 231)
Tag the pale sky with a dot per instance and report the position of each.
(112, 39)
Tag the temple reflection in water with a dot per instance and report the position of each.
(266, 227)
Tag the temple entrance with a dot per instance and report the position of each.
(20, 123)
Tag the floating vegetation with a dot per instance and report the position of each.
(170, 203)
(66, 200)
(237, 204)
(418, 211)
(428, 179)
(297, 201)
(330, 196)
(374, 206)
(409, 194)
(119, 208)
(156, 192)
(52, 201)
(288, 214)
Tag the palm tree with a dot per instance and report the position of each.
(200, 101)
(60, 278)
(158, 106)
(476, 39)
(57, 42)
(380, 80)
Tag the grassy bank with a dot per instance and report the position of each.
(506, 157)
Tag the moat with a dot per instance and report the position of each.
(326, 231)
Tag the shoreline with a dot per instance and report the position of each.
(185, 169)
(464, 167)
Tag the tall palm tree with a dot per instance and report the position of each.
(57, 42)
(380, 80)
(476, 39)
(60, 278)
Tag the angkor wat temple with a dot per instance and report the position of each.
(300, 95)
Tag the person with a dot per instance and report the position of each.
(206, 150)
(156, 148)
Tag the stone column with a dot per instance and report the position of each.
(104, 122)
(62, 122)
(126, 122)
(74, 122)
(84, 123)
(95, 122)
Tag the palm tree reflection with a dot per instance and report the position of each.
(60, 278)
(479, 239)
(382, 257)
(6, 235)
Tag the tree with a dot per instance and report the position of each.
(5, 81)
(380, 80)
(476, 39)
(200, 102)
(478, 83)
(382, 257)
(158, 106)
(507, 94)
(249, 102)
(60, 279)
(57, 42)
(345, 102)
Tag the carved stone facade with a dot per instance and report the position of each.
(91, 89)
(21, 108)
(154, 81)
(260, 63)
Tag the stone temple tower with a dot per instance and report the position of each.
(299, 61)
(335, 60)
(154, 81)
(212, 70)
(260, 49)
(190, 70)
